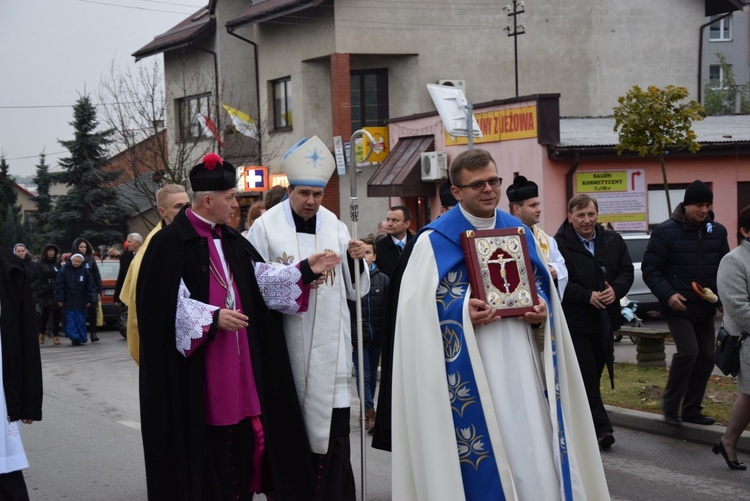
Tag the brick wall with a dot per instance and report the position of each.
(342, 120)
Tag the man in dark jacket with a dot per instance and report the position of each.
(600, 273)
(389, 248)
(21, 371)
(683, 250)
(134, 241)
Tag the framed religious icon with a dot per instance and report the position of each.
(500, 269)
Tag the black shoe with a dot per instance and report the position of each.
(733, 465)
(672, 420)
(698, 419)
(606, 440)
(75, 342)
(94, 338)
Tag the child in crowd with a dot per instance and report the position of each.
(75, 291)
(372, 319)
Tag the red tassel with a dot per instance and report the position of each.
(211, 161)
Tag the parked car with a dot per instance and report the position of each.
(109, 269)
(639, 292)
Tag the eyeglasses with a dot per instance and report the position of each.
(494, 182)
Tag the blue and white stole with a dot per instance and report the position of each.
(477, 459)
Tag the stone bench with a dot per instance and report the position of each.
(649, 345)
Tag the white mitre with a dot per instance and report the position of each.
(308, 163)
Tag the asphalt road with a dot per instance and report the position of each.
(88, 446)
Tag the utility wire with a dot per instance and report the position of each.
(134, 7)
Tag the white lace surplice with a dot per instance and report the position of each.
(190, 319)
(279, 286)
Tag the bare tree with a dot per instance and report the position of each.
(134, 106)
(150, 155)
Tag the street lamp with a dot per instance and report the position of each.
(514, 10)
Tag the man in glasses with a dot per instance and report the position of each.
(467, 380)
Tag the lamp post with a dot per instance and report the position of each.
(514, 10)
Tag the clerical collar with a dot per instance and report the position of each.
(202, 222)
(303, 226)
(480, 223)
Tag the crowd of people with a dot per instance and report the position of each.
(246, 343)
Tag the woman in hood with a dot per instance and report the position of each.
(49, 266)
(83, 247)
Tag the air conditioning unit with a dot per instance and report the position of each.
(459, 84)
(434, 166)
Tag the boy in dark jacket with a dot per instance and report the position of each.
(75, 291)
(372, 319)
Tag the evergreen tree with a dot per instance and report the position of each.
(28, 237)
(43, 181)
(9, 208)
(90, 208)
(10, 235)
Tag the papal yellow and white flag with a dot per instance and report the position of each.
(243, 123)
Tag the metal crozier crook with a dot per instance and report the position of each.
(354, 214)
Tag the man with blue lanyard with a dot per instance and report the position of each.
(478, 411)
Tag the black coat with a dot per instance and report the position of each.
(587, 273)
(74, 287)
(387, 253)
(125, 259)
(680, 252)
(32, 277)
(381, 434)
(22, 366)
(172, 386)
(89, 261)
(48, 269)
(373, 305)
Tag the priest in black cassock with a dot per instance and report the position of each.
(220, 417)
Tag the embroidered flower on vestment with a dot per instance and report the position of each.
(451, 289)
(470, 446)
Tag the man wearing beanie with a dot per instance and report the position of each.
(220, 417)
(687, 249)
(525, 204)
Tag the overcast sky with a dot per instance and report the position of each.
(52, 51)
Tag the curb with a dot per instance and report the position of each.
(653, 423)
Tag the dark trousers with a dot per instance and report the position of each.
(47, 312)
(91, 317)
(229, 465)
(334, 476)
(691, 365)
(13, 487)
(371, 358)
(591, 360)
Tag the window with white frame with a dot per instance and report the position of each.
(282, 103)
(189, 111)
(716, 76)
(721, 30)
